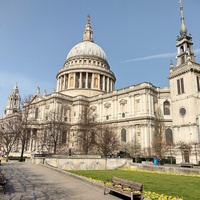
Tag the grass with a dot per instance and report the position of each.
(186, 187)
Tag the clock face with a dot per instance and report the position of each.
(182, 112)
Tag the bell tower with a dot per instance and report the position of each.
(184, 81)
(14, 100)
(184, 42)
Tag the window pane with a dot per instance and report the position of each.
(182, 86)
(169, 136)
(123, 135)
(178, 86)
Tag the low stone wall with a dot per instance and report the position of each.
(165, 168)
(83, 163)
(109, 163)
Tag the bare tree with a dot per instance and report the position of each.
(148, 152)
(63, 149)
(87, 127)
(25, 135)
(107, 141)
(158, 143)
(171, 151)
(133, 148)
(10, 130)
(196, 146)
(57, 129)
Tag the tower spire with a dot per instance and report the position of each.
(13, 103)
(15, 88)
(184, 43)
(183, 29)
(87, 35)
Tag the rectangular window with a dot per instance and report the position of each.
(198, 84)
(180, 86)
(36, 113)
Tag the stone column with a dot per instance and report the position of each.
(57, 86)
(111, 85)
(108, 84)
(92, 83)
(86, 83)
(133, 105)
(116, 108)
(67, 81)
(80, 84)
(61, 82)
(64, 83)
(130, 105)
(144, 103)
(99, 81)
(104, 80)
(74, 79)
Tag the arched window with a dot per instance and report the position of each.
(169, 136)
(123, 135)
(123, 115)
(166, 108)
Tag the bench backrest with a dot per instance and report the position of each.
(127, 183)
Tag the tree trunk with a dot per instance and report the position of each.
(22, 152)
(55, 147)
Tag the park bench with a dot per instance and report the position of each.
(3, 181)
(186, 164)
(127, 188)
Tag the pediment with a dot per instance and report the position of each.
(36, 99)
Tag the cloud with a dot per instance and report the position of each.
(157, 56)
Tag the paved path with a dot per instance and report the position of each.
(27, 181)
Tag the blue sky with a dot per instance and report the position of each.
(138, 37)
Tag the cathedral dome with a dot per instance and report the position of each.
(87, 48)
(86, 70)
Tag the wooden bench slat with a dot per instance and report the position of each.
(125, 187)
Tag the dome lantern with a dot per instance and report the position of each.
(87, 35)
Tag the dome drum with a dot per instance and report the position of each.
(85, 80)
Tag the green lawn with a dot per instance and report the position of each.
(186, 187)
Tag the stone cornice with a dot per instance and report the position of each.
(183, 69)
